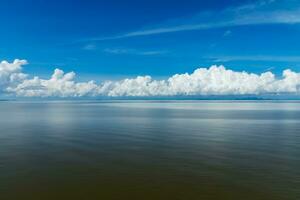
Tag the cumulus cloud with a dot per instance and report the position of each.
(59, 85)
(215, 80)
(10, 73)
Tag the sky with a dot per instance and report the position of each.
(111, 41)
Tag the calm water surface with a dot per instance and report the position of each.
(150, 150)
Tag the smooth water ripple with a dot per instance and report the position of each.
(150, 150)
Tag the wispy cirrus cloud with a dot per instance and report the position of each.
(255, 58)
(227, 33)
(258, 13)
(89, 47)
(133, 51)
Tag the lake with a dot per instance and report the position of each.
(150, 150)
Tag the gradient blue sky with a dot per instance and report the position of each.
(113, 39)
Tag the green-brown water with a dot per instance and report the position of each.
(150, 150)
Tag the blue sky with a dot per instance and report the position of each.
(114, 39)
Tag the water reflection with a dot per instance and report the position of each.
(150, 150)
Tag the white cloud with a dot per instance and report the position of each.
(90, 47)
(257, 13)
(215, 80)
(255, 58)
(10, 73)
(227, 33)
(59, 85)
(133, 51)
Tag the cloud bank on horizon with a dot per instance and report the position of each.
(215, 80)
